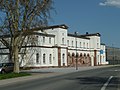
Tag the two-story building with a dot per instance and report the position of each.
(55, 47)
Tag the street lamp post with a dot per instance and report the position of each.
(113, 54)
(76, 51)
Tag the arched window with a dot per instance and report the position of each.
(97, 45)
(84, 45)
(72, 43)
(49, 40)
(80, 44)
(87, 45)
(77, 54)
(43, 39)
(84, 55)
(68, 53)
(63, 58)
(62, 40)
(88, 55)
(68, 42)
(50, 58)
(73, 54)
(37, 58)
(80, 54)
(76, 44)
(44, 59)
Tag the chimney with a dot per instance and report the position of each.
(86, 32)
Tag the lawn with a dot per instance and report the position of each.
(13, 75)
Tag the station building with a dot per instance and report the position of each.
(55, 47)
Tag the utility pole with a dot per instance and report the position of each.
(113, 54)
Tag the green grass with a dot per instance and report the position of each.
(13, 75)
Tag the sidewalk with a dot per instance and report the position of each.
(46, 72)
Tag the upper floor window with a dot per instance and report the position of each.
(97, 45)
(43, 39)
(87, 45)
(62, 40)
(76, 44)
(49, 40)
(80, 44)
(68, 42)
(84, 44)
(72, 43)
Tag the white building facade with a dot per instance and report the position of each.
(55, 47)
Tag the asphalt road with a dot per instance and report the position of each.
(96, 79)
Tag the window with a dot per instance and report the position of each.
(87, 45)
(62, 40)
(37, 58)
(68, 42)
(72, 43)
(50, 58)
(84, 45)
(49, 40)
(43, 39)
(76, 44)
(97, 45)
(80, 44)
(63, 58)
(43, 58)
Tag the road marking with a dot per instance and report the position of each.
(106, 84)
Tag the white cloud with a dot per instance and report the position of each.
(115, 3)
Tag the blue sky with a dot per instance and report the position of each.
(91, 16)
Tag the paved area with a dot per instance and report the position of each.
(46, 72)
(61, 70)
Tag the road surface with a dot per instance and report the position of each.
(97, 79)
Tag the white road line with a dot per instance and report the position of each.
(106, 84)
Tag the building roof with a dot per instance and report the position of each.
(93, 34)
(63, 26)
(79, 36)
(102, 44)
(33, 33)
(84, 36)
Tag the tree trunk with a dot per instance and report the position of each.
(15, 55)
(16, 60)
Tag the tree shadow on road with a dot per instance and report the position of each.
(97, 81)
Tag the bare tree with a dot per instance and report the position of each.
(21, 18)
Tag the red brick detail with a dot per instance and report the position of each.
(67, 56)
(95, 60)
(59, 57)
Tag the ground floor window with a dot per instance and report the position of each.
(63, 58)
(44, 61)
(37, 58)
(50, 58)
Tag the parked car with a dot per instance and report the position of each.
(6, 67)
